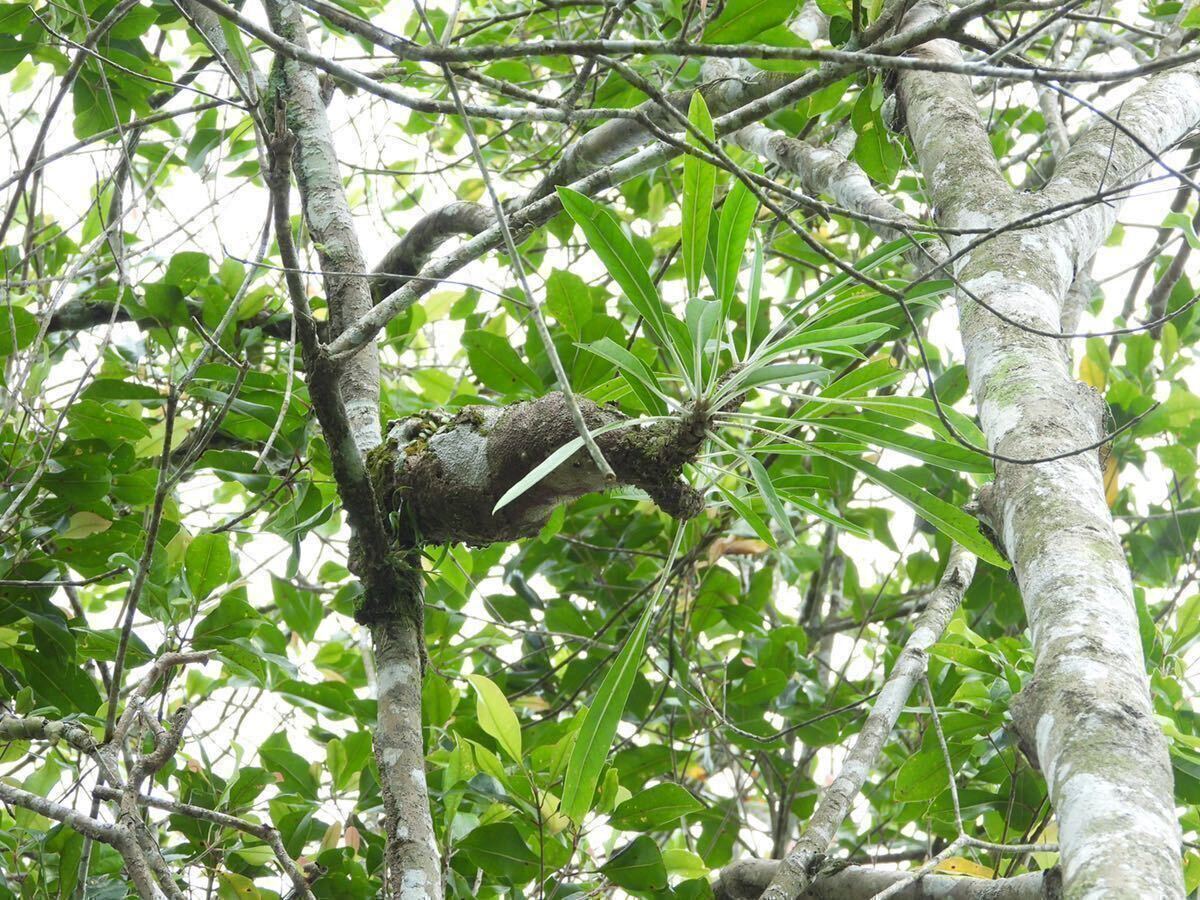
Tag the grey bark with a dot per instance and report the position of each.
(411, 852)
(747, 879)
(795, 874)
(1086, 716)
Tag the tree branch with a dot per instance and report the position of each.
(748, 878)
(797, 871)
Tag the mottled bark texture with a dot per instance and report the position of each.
(328, 216)
(348, 396)
(412, 850)
(442, 476)
(1086, 714)
(748, 878)
(797, 872)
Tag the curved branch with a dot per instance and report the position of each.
(410, 254)
(746, 879)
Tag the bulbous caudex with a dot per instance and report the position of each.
(440, 476)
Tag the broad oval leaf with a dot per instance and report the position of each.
(655, 807)
(206, 563)
(496, 717)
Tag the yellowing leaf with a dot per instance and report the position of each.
(85, 524)
(552, 820)
(957, 865)
(233, 885)
(736, 547)
(1111, 488)
(333, 834)
(496, 716)
(1091, 372)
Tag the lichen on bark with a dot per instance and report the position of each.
(440, 475)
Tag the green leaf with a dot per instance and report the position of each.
(685, 864)
(187, 269)
(500, 851)
(832, 518)
(301, 610)
(946, 518)
(636, 372)
(744, 20)
(785, 373)
(923, 775)
(58, 681)
(278, 756)
(496, 364)
(608, 241)
(233, 618)
(552, 462)
(206, 563)
(874, 150)
(763, 481)
(18, 329)
(699, 185)
(703, 319)
(754, 295)
(568, 299)
(104, 422)
(14, 17)
(656, 807)
(737, 218)
(600, 724)
(237, 47)
(749, 516)
(939, 453)
(836, 337)
(1180, 220)
(496, 716)
(638, 866)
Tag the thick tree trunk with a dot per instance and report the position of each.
(1086, 716)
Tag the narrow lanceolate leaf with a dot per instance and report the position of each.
(875, 374)
(703, 321)
(749, 516)
(939, 453)
(765, 487)
(600, 725)
(754, 295)
(831, 517)
(836, 337)
(552, 462)
(496, 716)
(784, 373)
(636, 372)
(737, 218)
(606, 239)
(600, 722)
(699, 185)
(237, 47)
(945, 517)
